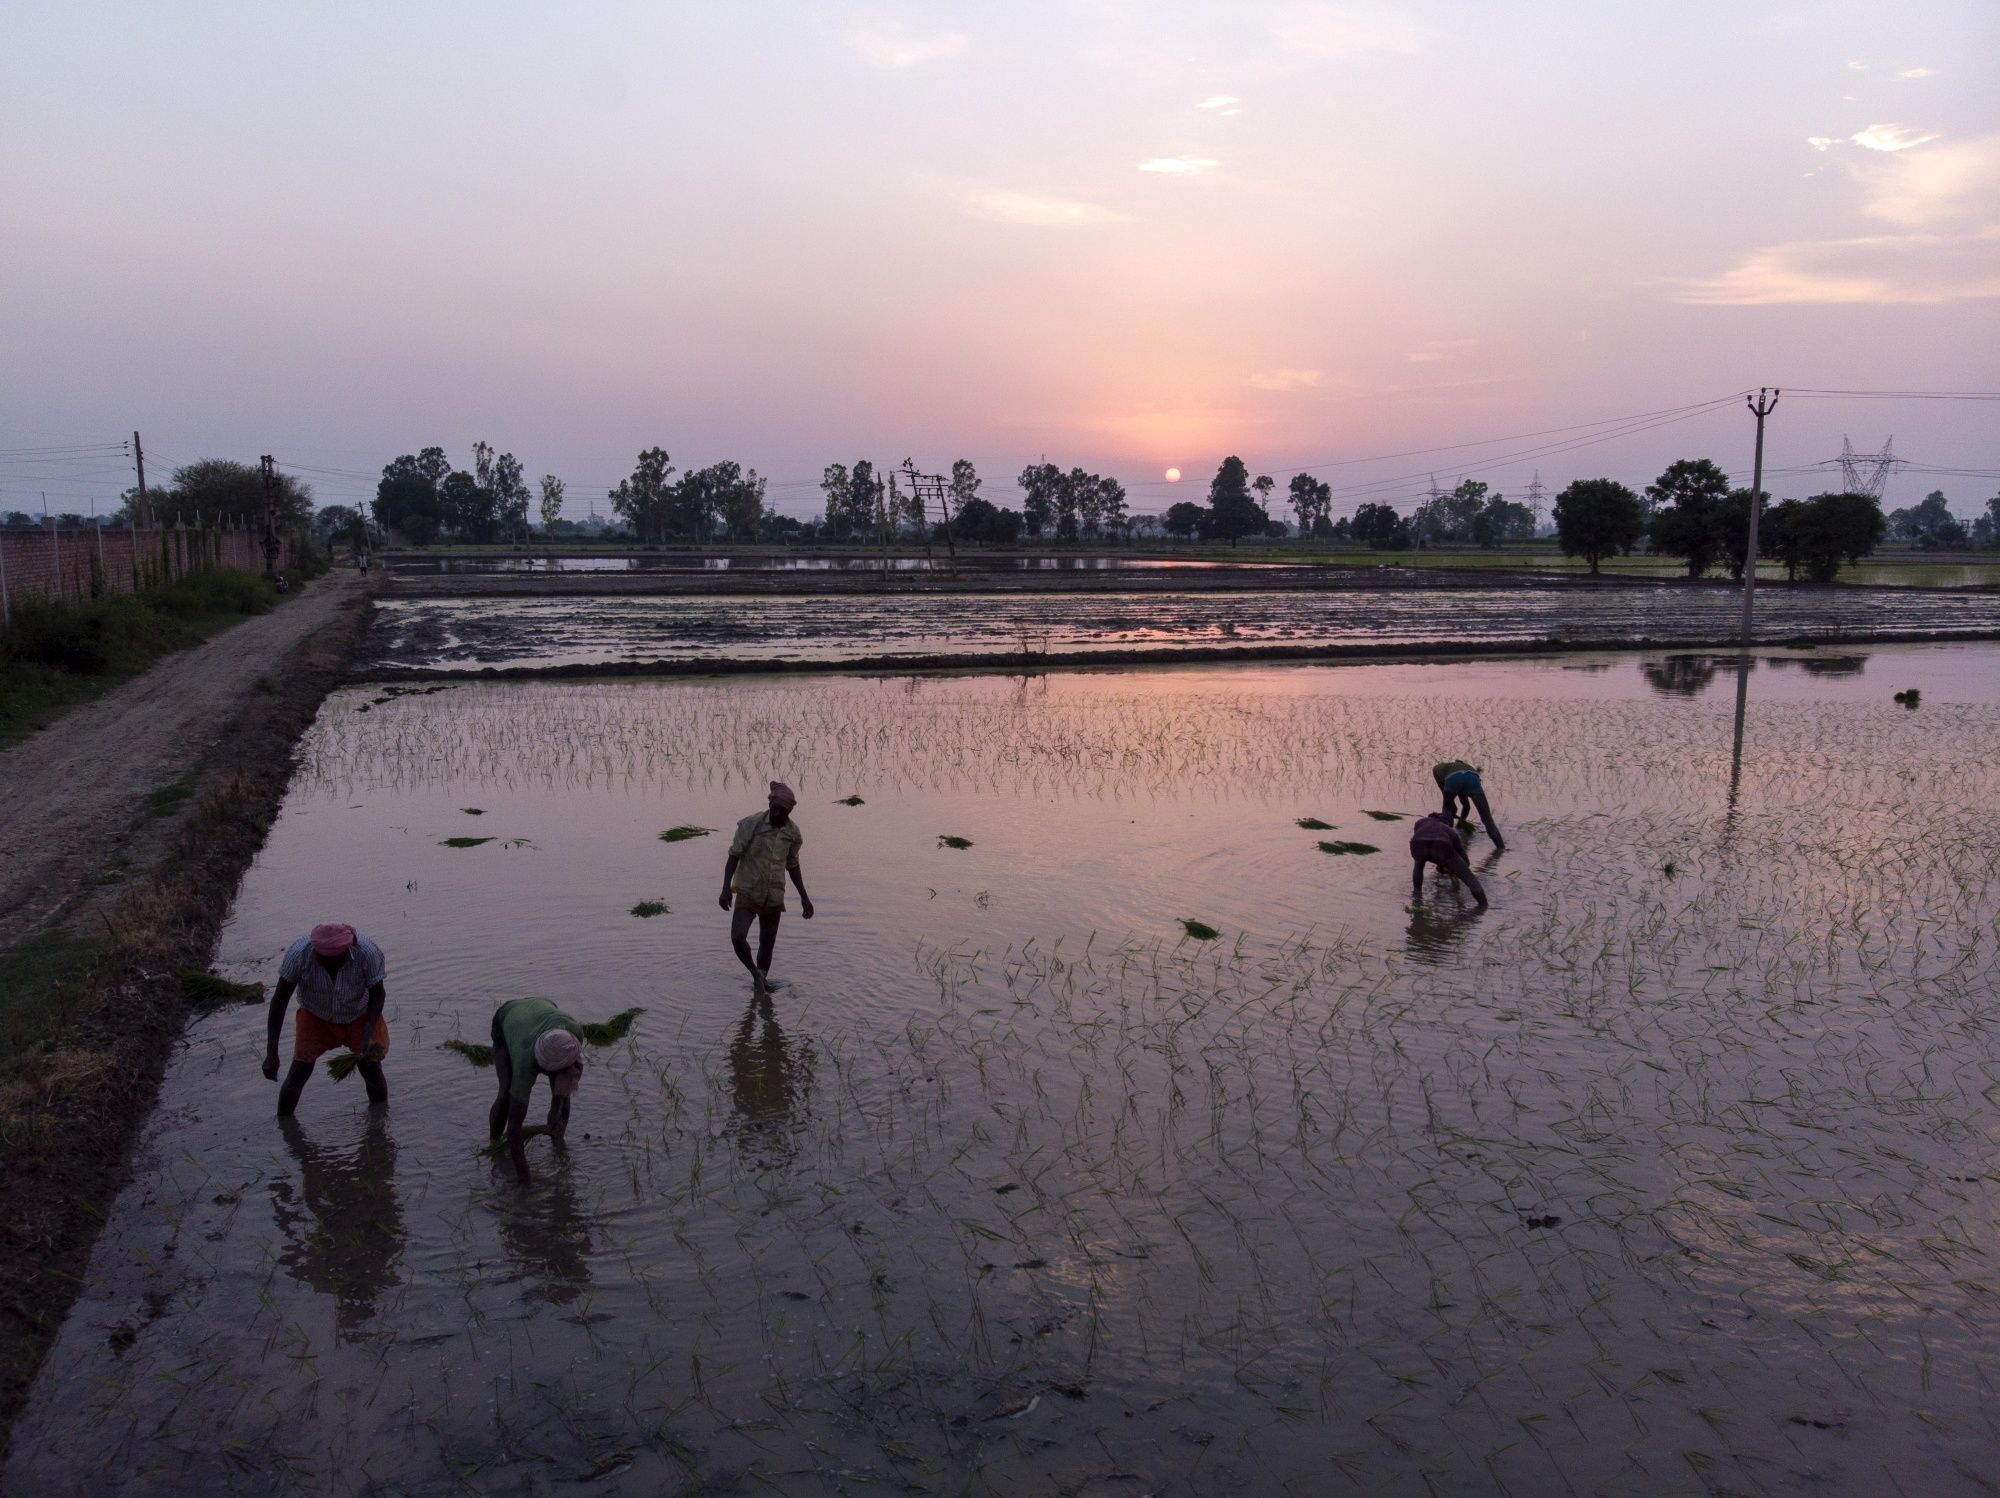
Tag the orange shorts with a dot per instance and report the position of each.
(313, 1037)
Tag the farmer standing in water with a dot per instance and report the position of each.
(1463, 791)
(532, 1038)
(1435, 840)
(337, 974)
(764, 851)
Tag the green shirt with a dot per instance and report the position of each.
(520, 1023)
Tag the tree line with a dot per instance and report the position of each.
(1691, 512)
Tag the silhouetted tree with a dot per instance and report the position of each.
(1930, 526)
(552, 502)
(1821, 533)
(1688, 517)
(1232, 513)
(1184, 519)
(219, 488)
(1379, 526)
(641, 501)
(1311, 499)
(1597, 518)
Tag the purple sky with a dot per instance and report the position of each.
(1128, 236)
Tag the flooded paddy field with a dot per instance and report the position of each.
(1672, 1172)
(512, 633)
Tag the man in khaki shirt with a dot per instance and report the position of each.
(763, 853)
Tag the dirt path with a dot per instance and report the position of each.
(74, 796)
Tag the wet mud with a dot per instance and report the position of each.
(532, 633)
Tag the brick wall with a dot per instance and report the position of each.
(73, 564)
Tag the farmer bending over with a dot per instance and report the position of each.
(337, 974)
(1462, 792)
(532, 1038)
(1435, 840)
(764, 851)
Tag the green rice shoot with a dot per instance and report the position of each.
(1347, 847)
(682, 833)
(1314, 824)
(1199, 930)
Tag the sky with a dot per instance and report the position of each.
(1127, 236)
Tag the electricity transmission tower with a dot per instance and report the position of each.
(1536, 490)
(1867, 473)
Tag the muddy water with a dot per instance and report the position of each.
(1674, 1171)
(454, 632)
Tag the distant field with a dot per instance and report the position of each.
(1895, 569)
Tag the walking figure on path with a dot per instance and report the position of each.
(532, 1038)
(763, 853)
(1435, 840)
(1463, 791)
(338, 975)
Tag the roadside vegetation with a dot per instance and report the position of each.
(57, 655)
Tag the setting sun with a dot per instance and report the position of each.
(1173, 475)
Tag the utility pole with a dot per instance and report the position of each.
(1760, 408)
(270, 467)
(923, 488)
(143, 510)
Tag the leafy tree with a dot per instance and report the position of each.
(1232, 513)
(1380, 527)
(1453, 517)
(222, 489)
(468, 506)
(17, 518)
(1822, 533)
(1597, 518)
(1311, 499)
(641, 501)
(981, 520)
(1503, 520)
(482, 464)
(1986, 529)
(1930, 526)
(510, 495)
(1101, 502)
(1041, 486)
(1184, 519)
(1688, 520)
(851, 499)
(552, 502)
(406, 500)
(1262, 486)
(964, 488)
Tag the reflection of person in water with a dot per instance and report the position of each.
(549, 1235)
(343, 1224)
(1436, 930)
(771, 1081)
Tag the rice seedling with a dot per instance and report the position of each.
(1386, 816)
(473, 811)
(647, 909)
(850, 801)
(1199, 930)
(479, 1055)
(464, 842)
(946, 840)
(610, 1031)
(1347, 847)
(206, 992)
(1911, 698)
(1314, 824)
(682, 833)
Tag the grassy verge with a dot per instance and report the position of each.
(90, 1010)
(58, 655)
